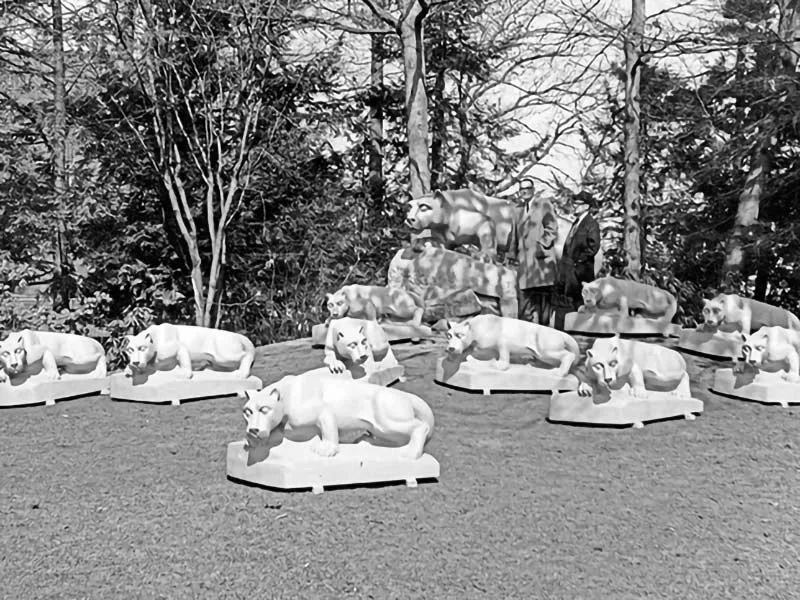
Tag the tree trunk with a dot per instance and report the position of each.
(750, 198)
(632, 200)
(61, 276)
(746, 217)
(460, 178)
(375, 182)
(411, 36)
(765, 263)
(438, 131)
(789, 32)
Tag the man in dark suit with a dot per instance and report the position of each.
(580, 247)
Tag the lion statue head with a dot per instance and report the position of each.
(13, 355)
(263, 412)
(425, 211)
(337, 303)
(140, 350)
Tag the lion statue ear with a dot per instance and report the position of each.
(589, 354)
(439, 195)
(340, 336)
(275, 394)
(148, 337)
(706, 302)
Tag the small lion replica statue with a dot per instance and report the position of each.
(775, 346)
(613, 305)
(768, 370)
(628, 297)
(374, 302)
(745, 314)
(507, 336)
(358, 346)
(51, 353)
(462, 217)
(332, 407)
(614, 362)
(191, 348)
(628, 383)
(727, 321)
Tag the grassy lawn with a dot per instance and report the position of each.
(102, 499)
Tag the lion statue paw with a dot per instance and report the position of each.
(325, 448)
(791, 377)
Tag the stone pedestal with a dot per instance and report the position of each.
(719, 345)
(383, 376)
(621, 408)
(294, 465)
(441, 276)
(756, 386)
(396, 332)
(610, 322)
(40, 390)
(482, 376)
(164, 387)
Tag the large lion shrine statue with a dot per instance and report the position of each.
(627, 382)
(316, 429)
(45, 366)
(466, 286)
(466, 217)
(171, 363)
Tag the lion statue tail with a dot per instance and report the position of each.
(423, 412)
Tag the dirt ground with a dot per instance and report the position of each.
(102, 499)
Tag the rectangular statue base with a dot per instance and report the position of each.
(481, 376)
(621, 409)
(384, 377)
(294, 465)
(164, 388)
(718, 345)
(756, 386)
(48, 391)
(610, 322)
(396, 332)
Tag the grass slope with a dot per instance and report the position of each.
(101, 499)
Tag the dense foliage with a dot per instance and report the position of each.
(303, 220)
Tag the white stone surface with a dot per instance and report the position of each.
(295, 465)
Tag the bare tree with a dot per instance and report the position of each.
(409, 26)
(61, 275)
(202, 89)
(633, 196)
(375, 180)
